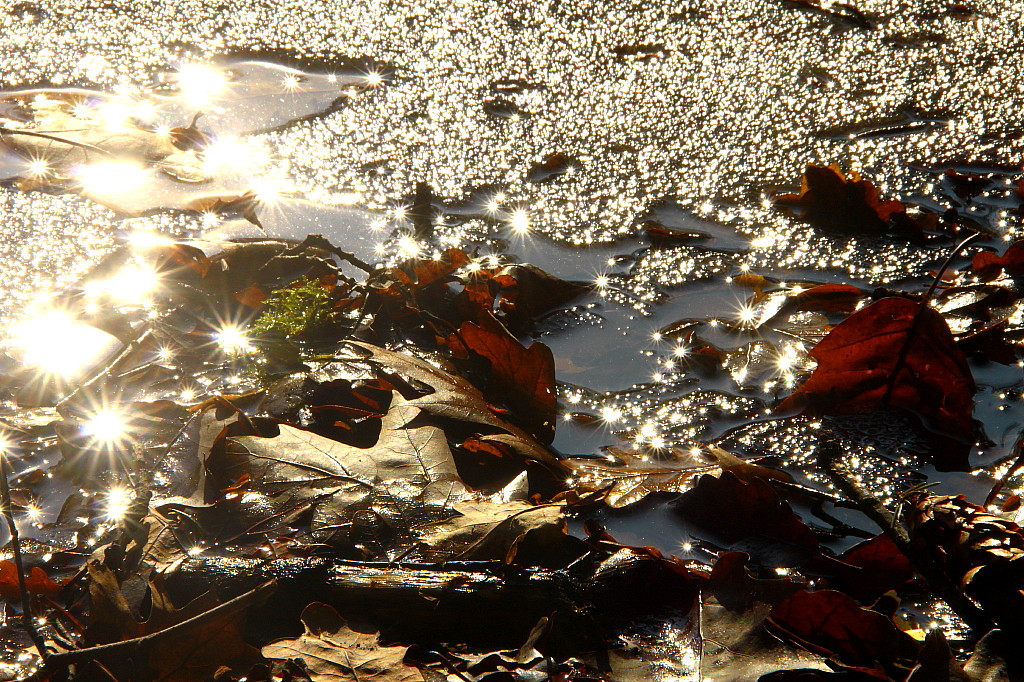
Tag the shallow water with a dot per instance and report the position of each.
(687, 114)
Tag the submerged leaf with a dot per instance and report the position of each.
(747, 516)
(734, 644)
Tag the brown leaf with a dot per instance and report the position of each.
(980, 551)
(333, 652)
(734, 643)
(628, 476)
(456, 399)
(747, 516)
(485, 531)
(194, 653)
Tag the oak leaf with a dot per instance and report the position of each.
(523, 376)
(333, 652)
(833, 202)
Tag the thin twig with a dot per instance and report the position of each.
(125, 352)
(1017, 451)
(8, 513)
(319, 241)
(54, 138)
(829, 460)
(130, 647)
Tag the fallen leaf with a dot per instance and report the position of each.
(832, 624)
(978, 550)
(36, 582)
(523, 377)
(631, 476)
(834, 203)
(454, 398)
(827, 298)
(989, 266)
(332, 652)
(407, 477)
(746, 516)
(553, 166)
(895, 354)
(194, 653)
(484, 531)
(734, 643)
(880, 567)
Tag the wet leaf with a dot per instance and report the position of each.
(552, 166)
(895, 354)
(827, 298)
(332, 652)
(880, 565)
(833, 202)
(523, 377)
(989, 266)
(527, 292)
(194, 653)
(485, 530)
(628, 476)
(831, 623)
(631, 476)
(36, 582)
(734, 643)
(454, 398)
(407, 465)
(978, 550)
(747, 516)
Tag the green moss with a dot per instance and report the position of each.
(294, 312)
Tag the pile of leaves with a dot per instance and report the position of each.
(300, 466)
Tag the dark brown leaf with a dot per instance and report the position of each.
(834, 203)
(747, 516)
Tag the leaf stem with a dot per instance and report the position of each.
(828, 457)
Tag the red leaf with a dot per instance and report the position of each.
(832, 624)
(523, 377)
(425, 271)
(895, 354)
(990, 343)
(36, 582)
(988, 266)
(878, 566)
(834, 203)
